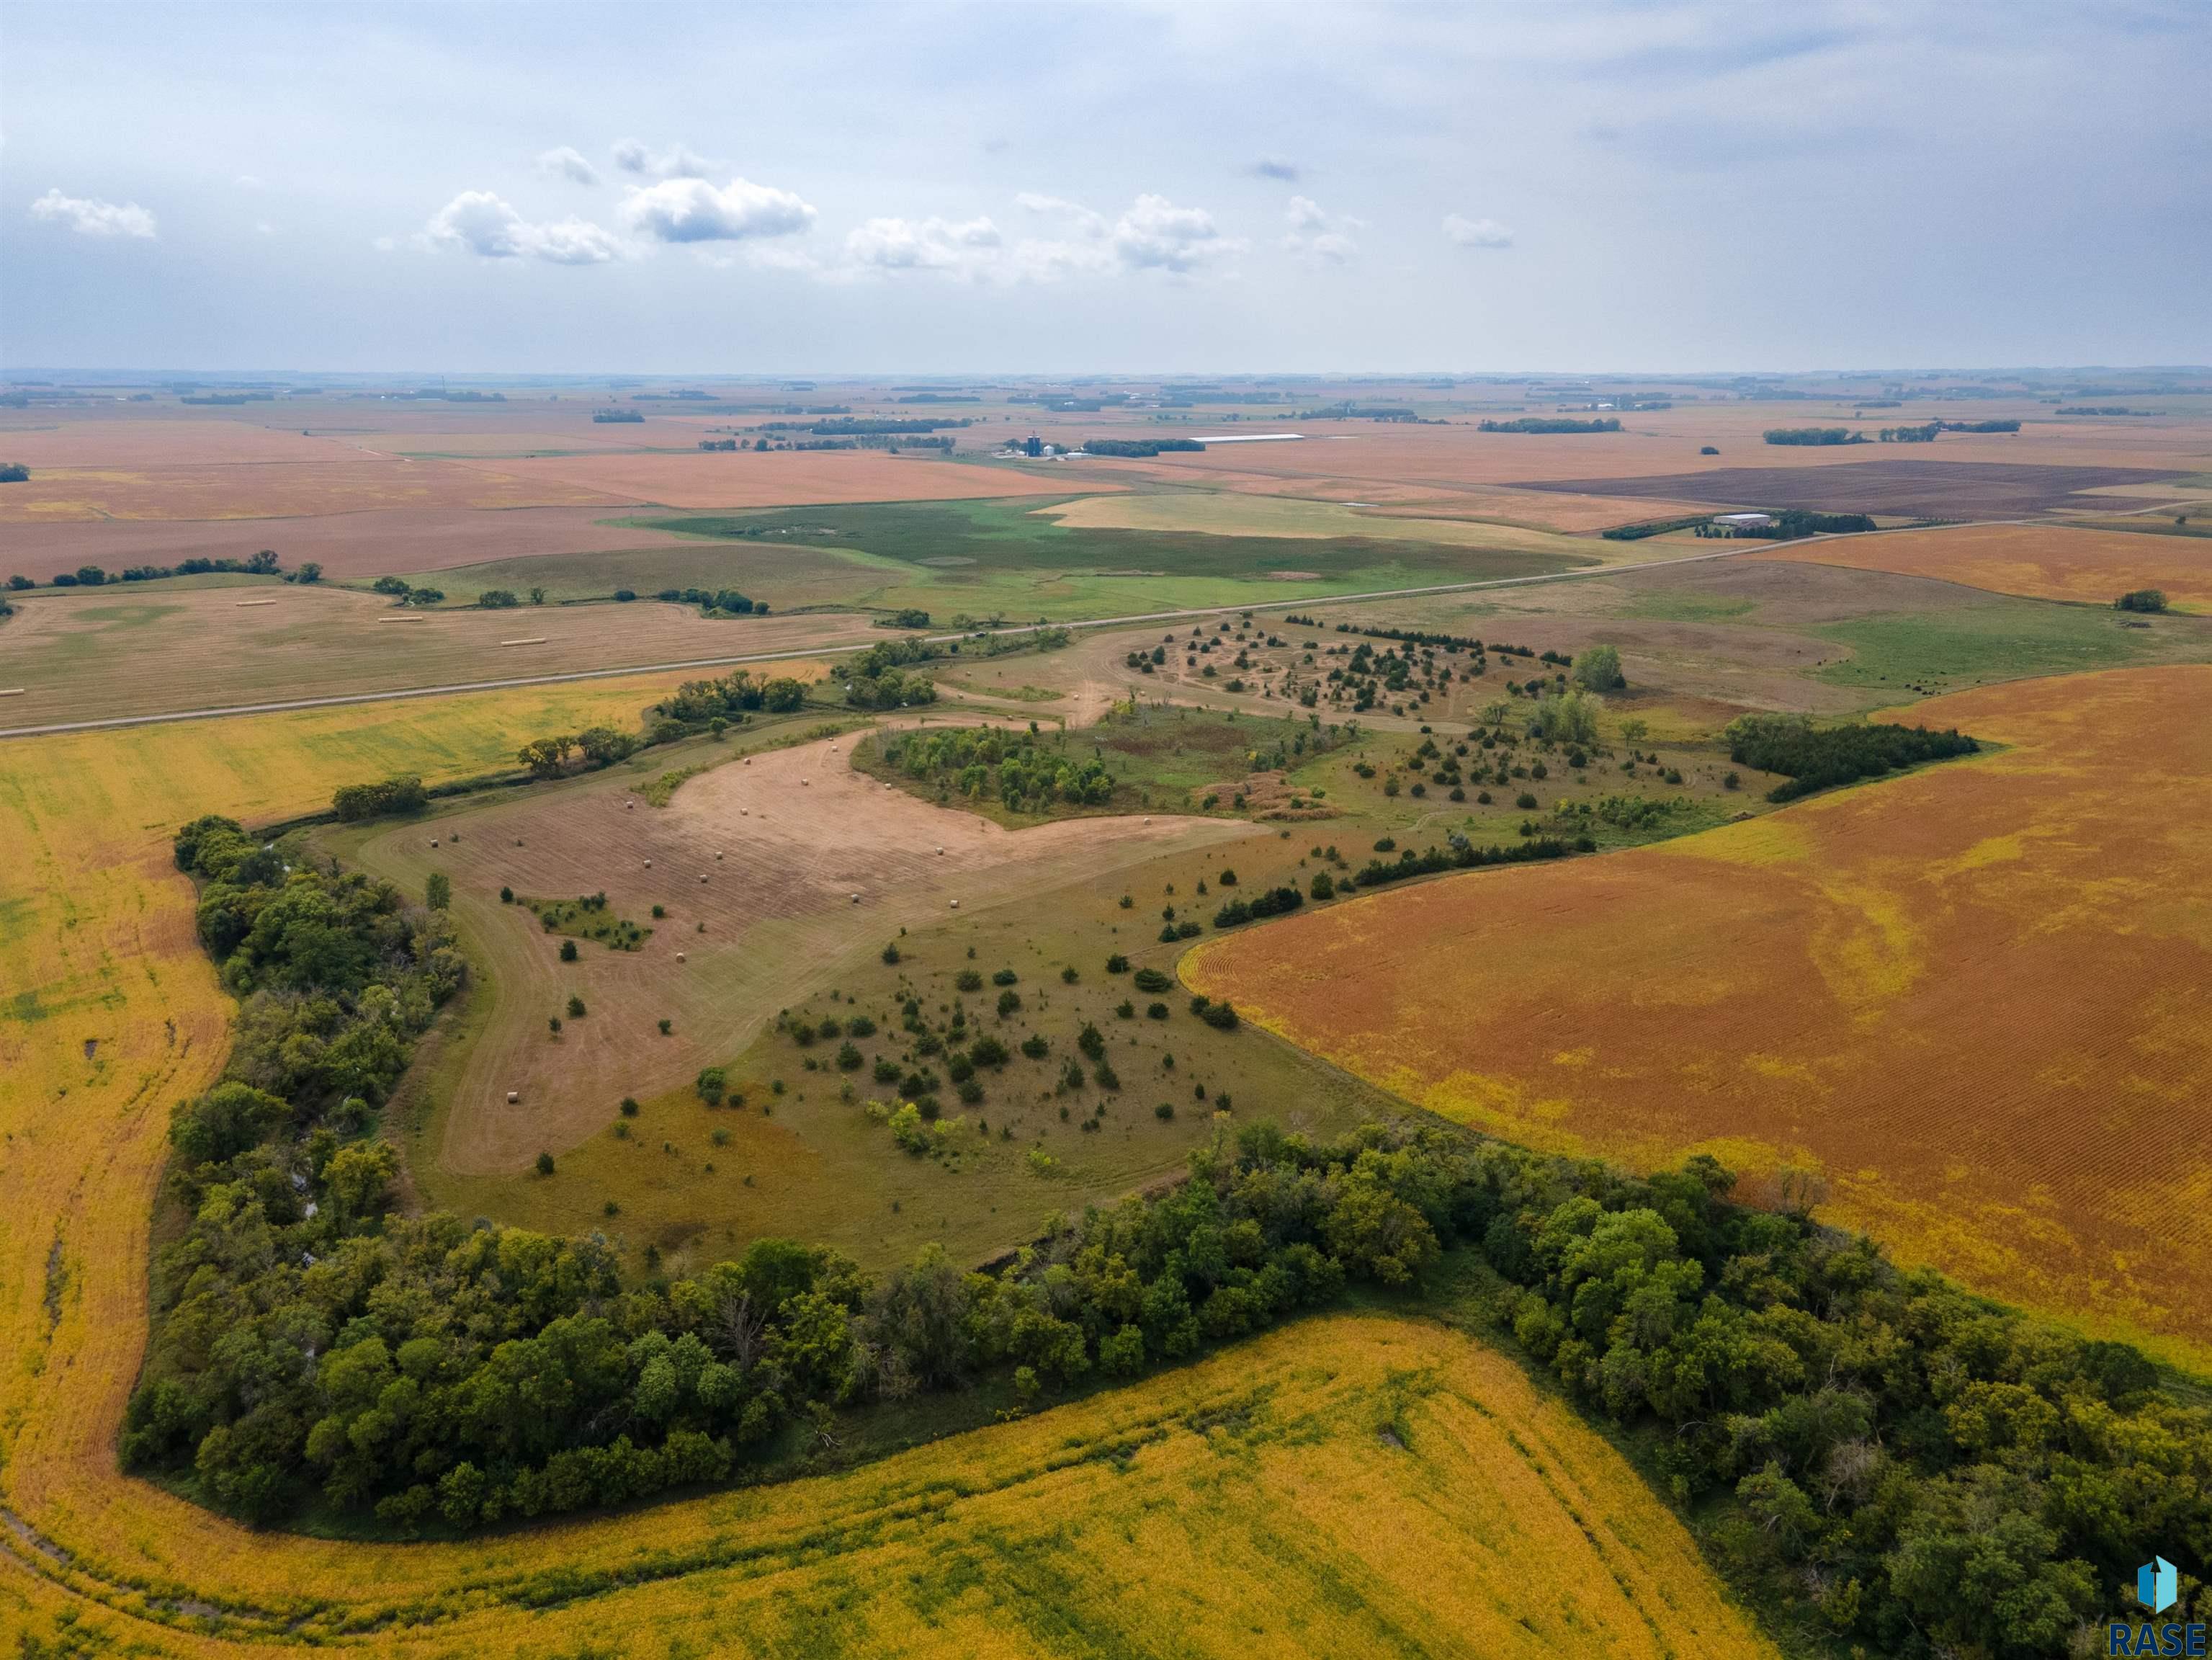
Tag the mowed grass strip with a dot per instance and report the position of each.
(1970, 1003)
(2041, 562)
(1355, 1484)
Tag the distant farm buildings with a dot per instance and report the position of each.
(1745, 520)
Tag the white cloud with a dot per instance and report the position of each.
(1085, 221)
(1155, 235)
(565, 162)
(479, 223)
(1273, 167)
(1320, 238)
(692, 210)
(1476, 233)
(87, 216)
(968, 247)
(677, 162)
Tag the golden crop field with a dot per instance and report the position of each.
(1976, 1000)
(1250, 1504)
(2044, 562)
(284, 489)
(1353, 1485)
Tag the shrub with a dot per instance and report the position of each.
(1165, 1111)
(567, 951)
(629, 1107)
(1155, 1011)
(1151, 980)
(576, 1007)
(712, 1085)
(1005, 977)
(1009, 1001)
(968, 980)
(1117, 963)
(2141, 599)
(848, 1058)
(891, 952)
(545, 1164)
(1525, 801)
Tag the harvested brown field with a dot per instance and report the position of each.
(174, 442)
(2044, 562)
(284, 489)
(90, 653)
(1975, 1001)
(780, 478)
(1919, 488)
(347, 545)
(782, 859)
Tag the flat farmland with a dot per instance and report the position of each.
(1913, 487)
(1291, 518)
(784, 839)
(282, 489)
(979, 558)
(149, 648)
(1972, 1001)
(178, 440)
(349, 546)
(2046, 562)
(779, 478)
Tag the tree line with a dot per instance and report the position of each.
(1538, 424)
(1824, 757)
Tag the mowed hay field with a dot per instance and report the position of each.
(2042, 561)
(1976, 1000)
(1353, 1485)
(90, 653)
(1249, 1505)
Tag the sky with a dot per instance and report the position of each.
(1083, 188)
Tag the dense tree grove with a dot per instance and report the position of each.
(404, 793)
(1813, 436)
(1014, 766)
(1139, 447)
(1918, 1471)
(732, 696)
(1823, 758)
(877, 677)
(1539, 424)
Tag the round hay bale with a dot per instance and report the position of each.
(856, 898)
(513, 1096)
(679, 955)
(703, 876)
(434, 841)
(648, 863)
(718, 858)
(956, 904)
(940, 853)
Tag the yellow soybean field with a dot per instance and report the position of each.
(1353, 1484)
